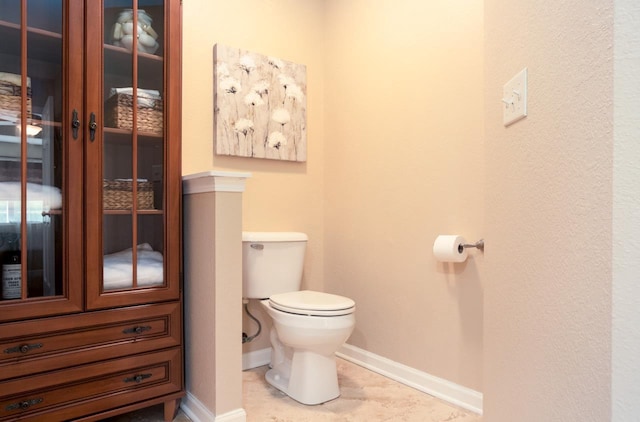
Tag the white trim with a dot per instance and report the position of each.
(216, 173)
(445, 390)
(256, 358)
(238, 415)
(214, 181)
(197, 412)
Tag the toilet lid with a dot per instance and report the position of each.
(306, 302)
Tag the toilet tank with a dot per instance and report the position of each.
(272, 263)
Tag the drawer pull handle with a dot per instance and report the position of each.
(138, 378)
(136, 330)
(24, 405)
(23, 348)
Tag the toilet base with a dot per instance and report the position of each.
(313, 378)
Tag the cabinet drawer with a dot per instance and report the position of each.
(53, 343)
(92, 388)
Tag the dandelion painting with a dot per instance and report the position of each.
(260, 106)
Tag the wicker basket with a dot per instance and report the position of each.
(117, 194)
(119, 114)
(11, 101)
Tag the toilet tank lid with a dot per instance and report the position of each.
(274, 237)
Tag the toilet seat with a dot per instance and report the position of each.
(307, 302)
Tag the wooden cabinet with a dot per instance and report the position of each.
(90, 193)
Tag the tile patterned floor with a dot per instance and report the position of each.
(366, 396)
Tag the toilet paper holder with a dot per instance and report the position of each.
(479, 245)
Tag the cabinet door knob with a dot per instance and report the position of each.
(75, 123)
(92, 127)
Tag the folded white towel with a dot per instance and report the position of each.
(49, 195)
(118, 269)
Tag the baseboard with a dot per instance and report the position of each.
(445, 390)
(197, 412)
(256, 358)
(238, 415)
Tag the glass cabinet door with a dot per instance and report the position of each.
(130, 242)
(37, 184)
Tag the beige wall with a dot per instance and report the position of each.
(395, 149)
(283, 196)
(404, 163)
(399, 144)
(280, 196)
(548, 213)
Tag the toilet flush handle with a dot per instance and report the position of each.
(257, 246)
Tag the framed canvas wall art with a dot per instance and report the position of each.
(259, 105)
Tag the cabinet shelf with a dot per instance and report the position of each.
(114, 50)
(128, 212)
(118, 64)
(44, 45)
(116, 134)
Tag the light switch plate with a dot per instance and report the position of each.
(514, 98)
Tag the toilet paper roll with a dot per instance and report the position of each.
(446, 248)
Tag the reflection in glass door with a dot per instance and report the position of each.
(31, 148)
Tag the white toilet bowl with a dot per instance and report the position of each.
(308, 328)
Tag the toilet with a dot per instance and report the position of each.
(308, 327)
